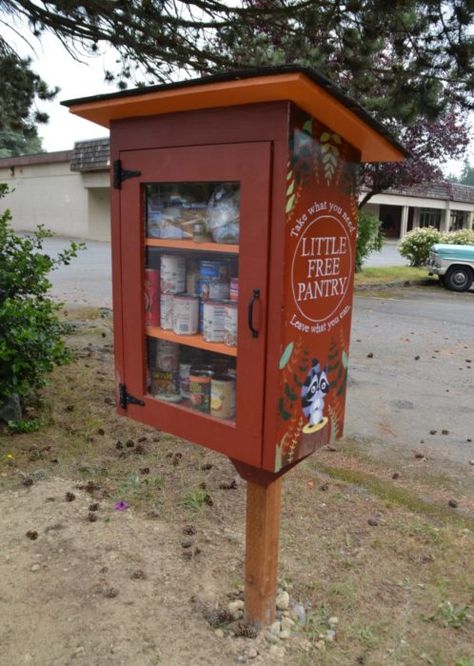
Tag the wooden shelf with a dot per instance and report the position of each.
(191, 341)
(177, 244)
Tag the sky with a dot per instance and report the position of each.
(75, 79)
(83, 79)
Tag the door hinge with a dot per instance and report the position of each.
(127, 399)
(123, 174)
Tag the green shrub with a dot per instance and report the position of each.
(417, 244)
(31, 343)
(369, 237)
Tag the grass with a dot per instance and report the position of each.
(448, 615)
(196, 499)
(402, 590)
(389, 274)
(394, 495)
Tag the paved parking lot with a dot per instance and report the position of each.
(419, 376)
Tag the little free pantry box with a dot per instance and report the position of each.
(234, 220)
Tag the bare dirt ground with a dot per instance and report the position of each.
(379, 570)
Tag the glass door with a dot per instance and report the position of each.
(194, 252)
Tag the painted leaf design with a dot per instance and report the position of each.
(325, 136)
(290, 203)
(292, 396)
(278, 455)
(345, 359)
(308, 126)
(281, 408)
(285, 357)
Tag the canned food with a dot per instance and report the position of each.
(214, 279)
(185, 314)
(172, 273)
(230, 324)
(167, 355)
(200, 388)
(166, 311)
(152, 297)
(184, 370)
(165, 385)
(223, 397)
(234, 289)
(213, 325)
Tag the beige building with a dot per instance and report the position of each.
(446, 206)
(68, 192)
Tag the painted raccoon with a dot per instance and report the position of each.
(313, 393)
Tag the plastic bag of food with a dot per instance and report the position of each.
(224, 214)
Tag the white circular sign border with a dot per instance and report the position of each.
(316, 219)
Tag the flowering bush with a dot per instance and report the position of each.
(461, 237)
(417, 244)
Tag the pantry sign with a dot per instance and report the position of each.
(321, 215)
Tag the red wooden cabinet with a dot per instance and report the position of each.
(234, 213)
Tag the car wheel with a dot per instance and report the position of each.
(459, 278)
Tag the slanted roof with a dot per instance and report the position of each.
(38, 158)
(442, 190)
(91, 155)
(305, 87)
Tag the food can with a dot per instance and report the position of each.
(167, 356)
(172, 273)
(214, 279)
(230, 324)
(213, 324)
(152, 297)
(164, 376)
(185, 314)
(165, 385)
(184, 370)
(200, 388)
(223, 397)
(166, 311)
(234, 289)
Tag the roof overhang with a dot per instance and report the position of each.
(306, 88)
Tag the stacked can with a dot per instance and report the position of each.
(230, 323)
(213, 324)
(200, 388)
(165, 373)
(185, 314)
(214, 284)
(223, 397)
(234, 289)
(152, 297)
(172, 281)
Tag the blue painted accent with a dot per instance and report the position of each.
(454, 252)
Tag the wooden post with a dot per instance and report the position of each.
(261, 550)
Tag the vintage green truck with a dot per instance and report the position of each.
(454, 264)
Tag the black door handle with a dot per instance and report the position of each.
(255, 296)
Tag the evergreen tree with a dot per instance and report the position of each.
(410, 63)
